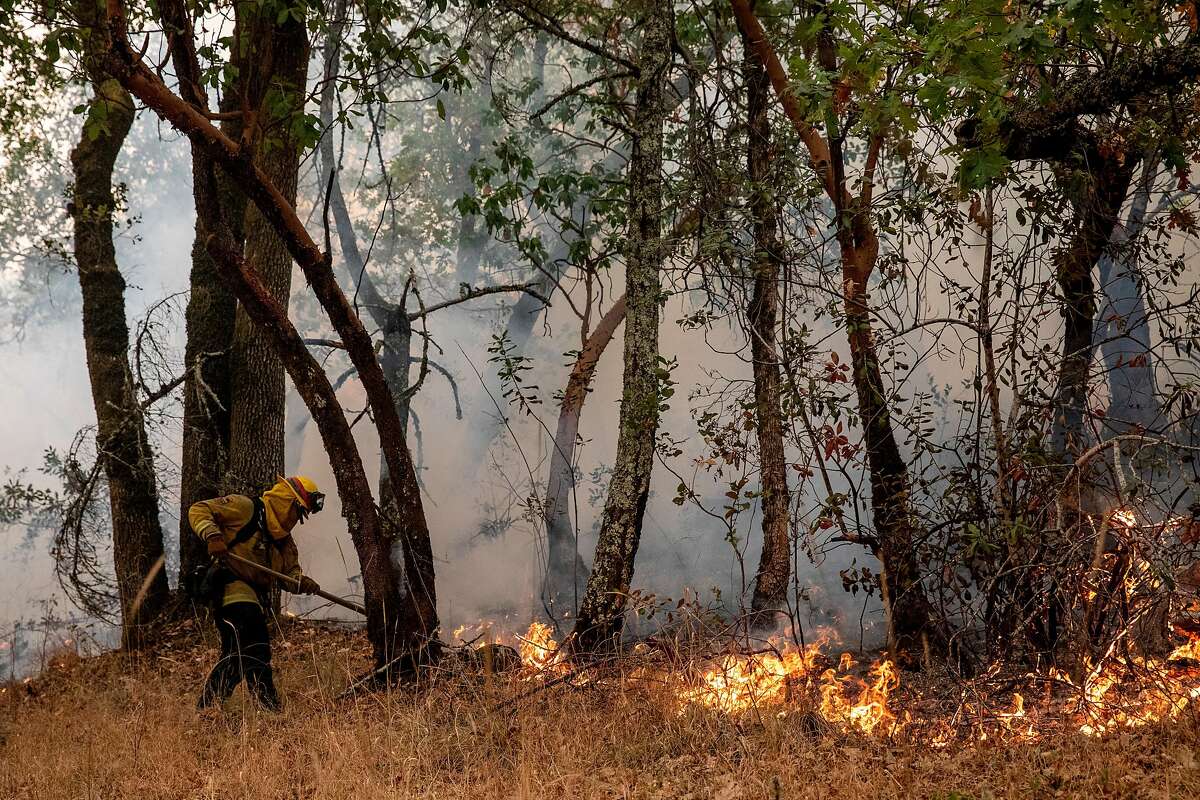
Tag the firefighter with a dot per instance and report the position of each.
(258, 529)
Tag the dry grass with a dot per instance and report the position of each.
(111, 728)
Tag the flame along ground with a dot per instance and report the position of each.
(1117, 692)
(785, 678)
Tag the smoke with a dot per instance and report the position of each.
(487, 531)
(488, 536)
(45, 395)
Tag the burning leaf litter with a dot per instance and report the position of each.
(784, 678)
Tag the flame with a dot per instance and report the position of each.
(1190, 651)
(868, 711)
(539, 652)
(1106, 708)
(1117, 691)
(738, 683)
(1124, 517)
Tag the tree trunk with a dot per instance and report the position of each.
(402, 617)
(775, 562)
(602, 612)
(1095, 217)
(121, 442)
(565, 569)
(1122, 327)
(210, 315)
(911, 631)
(390, 622)
(472, 237)
(908, 611)
(528, 309)
(277, 67)
(395, 327)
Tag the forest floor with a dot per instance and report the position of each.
(116, 727)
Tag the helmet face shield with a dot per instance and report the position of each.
(306, 502)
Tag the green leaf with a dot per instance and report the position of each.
(980, 166)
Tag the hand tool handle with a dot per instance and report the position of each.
(333, 598)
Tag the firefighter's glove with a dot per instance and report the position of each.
(217, 547)
(308, 585)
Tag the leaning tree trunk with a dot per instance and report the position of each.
(602, 613)
(121, 443)
(775, 563)
(258, 393)
(911, 632)
(909, 614)
(390, 318)
(401, 616)
(565, 570)
(395, 629)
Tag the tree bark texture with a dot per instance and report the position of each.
(775, 561)
(275, 69)
(528, 309)
(210, 315)
(909, 613)
(391, 625)
(395, 357)
(566, 572)
(121, 442)
(601, 614)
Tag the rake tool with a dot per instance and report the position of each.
(288, 581)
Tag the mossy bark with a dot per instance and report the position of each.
(601, 614)
(775, 561)
(121, 442)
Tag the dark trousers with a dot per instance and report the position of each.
(245, 654)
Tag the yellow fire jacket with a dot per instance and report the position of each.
(229, 514)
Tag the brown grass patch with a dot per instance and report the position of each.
(115, 727)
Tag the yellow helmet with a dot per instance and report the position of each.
(305, 491)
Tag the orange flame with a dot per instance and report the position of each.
(738, 683)
(539, 652)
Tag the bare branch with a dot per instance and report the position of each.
(473, 293)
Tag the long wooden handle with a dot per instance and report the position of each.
(333, 598)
